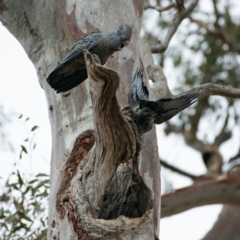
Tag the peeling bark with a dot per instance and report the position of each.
(81, 147)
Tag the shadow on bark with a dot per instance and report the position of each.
(101, 179)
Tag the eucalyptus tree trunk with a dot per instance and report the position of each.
(105, 181)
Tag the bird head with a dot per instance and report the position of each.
(125, 33)
(120, 38)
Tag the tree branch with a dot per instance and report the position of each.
(216, 11)
(210, 89)
(224, 134)
(202, 24)
(223, 190)
(177, 19)
(193, 177)
(177, 170)
(161, 9)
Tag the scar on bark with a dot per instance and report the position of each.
(97, 182)
(82, 145)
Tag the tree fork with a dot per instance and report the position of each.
(96, 183)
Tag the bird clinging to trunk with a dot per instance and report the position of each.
(72, 69)
(144, 112)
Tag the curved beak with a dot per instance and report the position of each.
(125, 43)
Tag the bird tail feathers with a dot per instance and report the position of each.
(61, 83)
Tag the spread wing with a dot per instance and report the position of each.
(168, 108)
(138, 90)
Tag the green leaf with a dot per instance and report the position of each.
(24, 149)
(41, 184)
(43, 222)
(24, 216)
(20, 116)
(20, 156)
(27, 190)
(20, 180)
(34, 146)
(34, 128)
(17, 204)
(43, 194)
(22, 225)
(14, 185)
(26, 140)
(4, 225)
(27, 119)
(37, 209)
(2, 215)
(32, 181)
(42, 175)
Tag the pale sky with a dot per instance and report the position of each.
(21, 93)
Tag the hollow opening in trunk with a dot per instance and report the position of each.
(126, 195)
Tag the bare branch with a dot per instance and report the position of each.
(177, 19)
(192, 176)
(233, 163)
(180, 5)
(225, 189)
(216, 11)
(210, 89)
(202, 24)
(177, 170)
(171, 128)
(159, 3)
(161, 9)
(237, 156)
(224, 134)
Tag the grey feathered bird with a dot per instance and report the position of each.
(72, 69)
(145, 113)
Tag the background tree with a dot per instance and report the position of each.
(204, 51)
